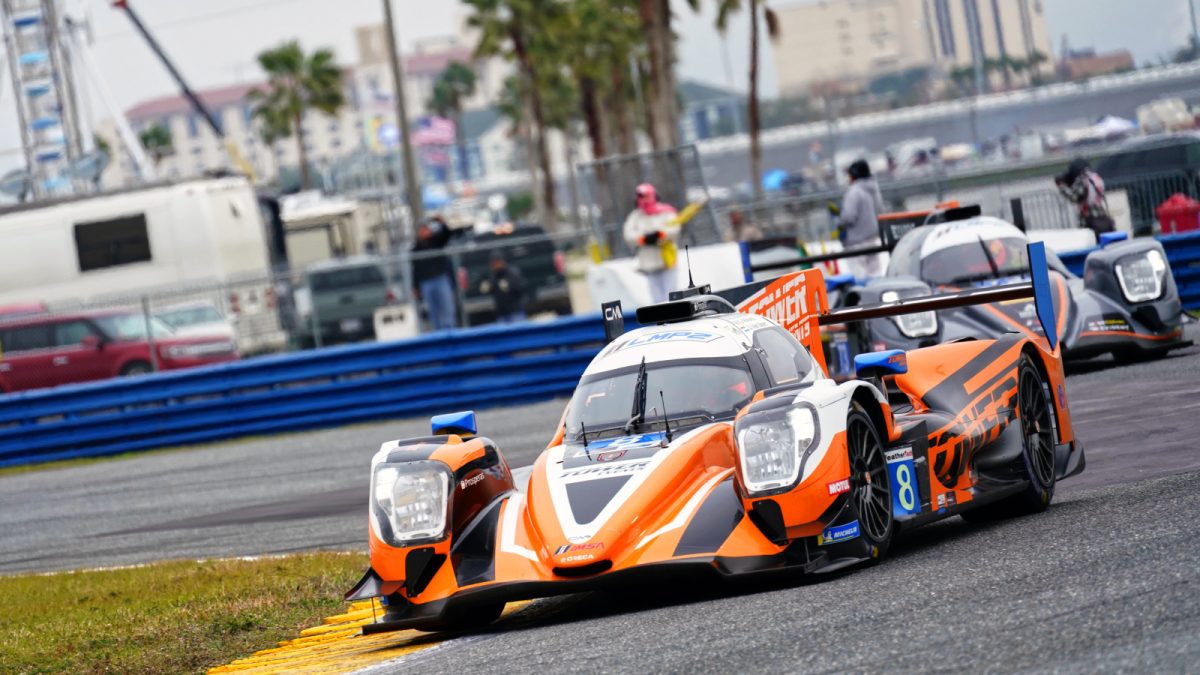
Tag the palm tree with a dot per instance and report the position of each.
(454, 85)
(1034, 63)
(726, 8)
(598, 38)
(661, 100)
(517, 31)
(156, 139)
(296, 83)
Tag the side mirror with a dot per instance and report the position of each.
(459, 423)
(92, 341)
(879, 364)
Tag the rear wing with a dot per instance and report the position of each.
(797, 301)
(892, 226)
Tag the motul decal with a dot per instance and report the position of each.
(838, 487)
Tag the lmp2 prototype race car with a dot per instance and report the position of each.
(1126, 304)
(712, 440)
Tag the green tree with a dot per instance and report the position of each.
(518, 31)
(101, 144)
(659, 85)
(724, 10)
(156, 139)
(296, 83)
(599, 37)
(1034, 65)
(453, 87)
(962, 79)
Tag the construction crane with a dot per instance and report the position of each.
(231, 148)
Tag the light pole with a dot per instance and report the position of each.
(1195, 30)
(411, 189)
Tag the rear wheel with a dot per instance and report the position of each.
(136, 368)
(870, 488)
(1039, 435)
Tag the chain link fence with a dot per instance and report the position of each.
(331, 302)
(807, 216)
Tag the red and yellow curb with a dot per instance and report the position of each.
(337, 646)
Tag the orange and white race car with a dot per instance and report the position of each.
(712, 440)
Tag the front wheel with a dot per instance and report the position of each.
(467, 618)
(870, 487)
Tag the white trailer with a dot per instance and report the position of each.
(158, 242)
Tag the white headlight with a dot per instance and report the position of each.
(1142, 276)
(410, 501)
(918, 325)
(771, 447)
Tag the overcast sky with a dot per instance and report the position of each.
(214, 42)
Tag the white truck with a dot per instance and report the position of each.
(167, 243)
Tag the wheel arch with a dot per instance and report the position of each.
(1045, 364)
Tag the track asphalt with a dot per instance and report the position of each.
(1106, 580)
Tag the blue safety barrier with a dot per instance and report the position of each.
(436, 373)
(1183, 252)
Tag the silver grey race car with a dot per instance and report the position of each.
(1126, 304)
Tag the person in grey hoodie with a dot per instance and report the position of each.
(858, 219)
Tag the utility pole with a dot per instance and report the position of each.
(411, 190)
(1195, 30)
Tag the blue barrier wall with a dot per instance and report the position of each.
(498, 365)
(1183, 252)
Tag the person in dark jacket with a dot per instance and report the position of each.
(857, 221)
(433, 275)
(507, 287)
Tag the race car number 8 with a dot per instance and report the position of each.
(906, 494)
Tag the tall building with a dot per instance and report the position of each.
(849, 42)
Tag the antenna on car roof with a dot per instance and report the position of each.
(666, 419)
(687, 252)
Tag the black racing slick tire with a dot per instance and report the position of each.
(468, 618)
(136, 368)
(1039, 434)
(870, 486)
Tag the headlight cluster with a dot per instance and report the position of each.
(198, 350)
(772, 446)
(1142, 276)
(410, 500)
(918, 325)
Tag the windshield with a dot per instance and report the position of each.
(603, 402)
(131, 326)
(975, 261)
(177, 318)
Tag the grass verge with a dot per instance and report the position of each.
(172, 617)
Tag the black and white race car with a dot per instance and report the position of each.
(1126, 304)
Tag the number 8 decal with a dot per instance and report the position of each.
(906, 494)
(903, 473)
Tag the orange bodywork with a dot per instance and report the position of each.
(682, 500)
